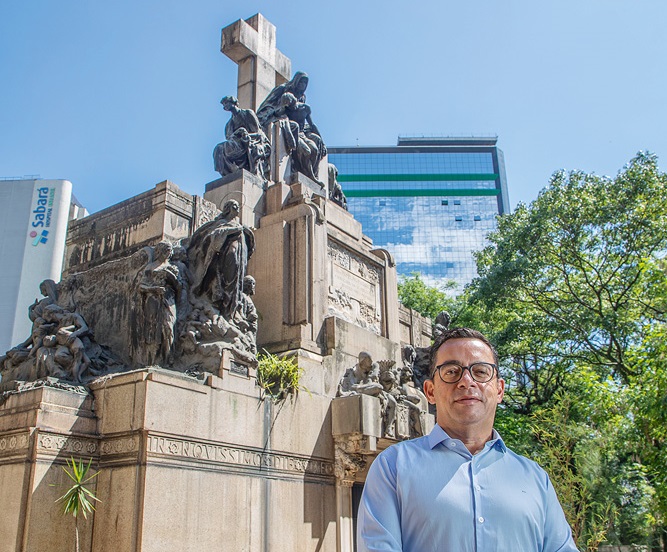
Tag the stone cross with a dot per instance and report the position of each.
(252, 45)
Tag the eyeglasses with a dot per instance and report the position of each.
(452, 372)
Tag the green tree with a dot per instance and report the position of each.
(427, 300)
(649, 413)
(578, 261)
(573, 291)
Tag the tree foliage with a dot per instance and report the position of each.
(579, 264)
(573, 291)
(427, 300)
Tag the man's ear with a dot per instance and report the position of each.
(429, 391)
(501, 390)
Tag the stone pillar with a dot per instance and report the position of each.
(290, 268)
(344, 515)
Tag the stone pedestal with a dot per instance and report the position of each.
(40, 429)
(312, 262)
(246, 188)
(184, 465)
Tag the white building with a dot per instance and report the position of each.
(34, 215)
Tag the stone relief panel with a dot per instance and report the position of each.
(355, 293)
(57, 444)
(403, 407)
(13, 444)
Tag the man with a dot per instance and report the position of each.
(460, 489)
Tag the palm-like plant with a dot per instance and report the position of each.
(78, 499)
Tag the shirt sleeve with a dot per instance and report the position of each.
(379, 518)
(557, 532)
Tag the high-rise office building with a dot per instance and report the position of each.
(34, 215)
(431, 202)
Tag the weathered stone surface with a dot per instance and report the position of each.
(160, 434)
(164, 213)
(252, 45)
(177, 306)
(248, 189)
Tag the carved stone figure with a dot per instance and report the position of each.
(420, 366)
(158, 288)
(335, 190)
(286, 105)
(70, 351)
(246, 146)
(246, 319)
(390, 397)
(49, 289)
(364, 378)
(413, 398)
(442, 322)
(218, 254)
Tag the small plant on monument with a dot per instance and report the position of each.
(78, 499)
(279, 377)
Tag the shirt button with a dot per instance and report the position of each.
(452, 443)
(480, 519)
(478, 488)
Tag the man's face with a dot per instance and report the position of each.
(466, 407)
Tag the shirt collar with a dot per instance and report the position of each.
(438, 435)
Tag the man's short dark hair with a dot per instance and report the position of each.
(456, 333)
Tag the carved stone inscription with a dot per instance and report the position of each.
(354, 288)
(245, 458)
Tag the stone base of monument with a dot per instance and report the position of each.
(40, 429)
(184, 465)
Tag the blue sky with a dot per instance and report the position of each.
(118, 96)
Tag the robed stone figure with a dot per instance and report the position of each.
(246, 146)
(218, 256)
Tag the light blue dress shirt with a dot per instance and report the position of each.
(432, 494)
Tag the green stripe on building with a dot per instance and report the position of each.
(414, 177)
(418, 192)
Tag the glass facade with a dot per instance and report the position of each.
(430, 202)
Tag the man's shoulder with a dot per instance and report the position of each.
(405, 449)
(526, 464)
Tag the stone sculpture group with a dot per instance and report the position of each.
(174, 305)
(247, 147)
(393, 386)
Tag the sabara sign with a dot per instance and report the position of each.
(41, 215)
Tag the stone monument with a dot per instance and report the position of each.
(143, 359)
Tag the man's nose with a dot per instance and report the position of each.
(466, 378)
